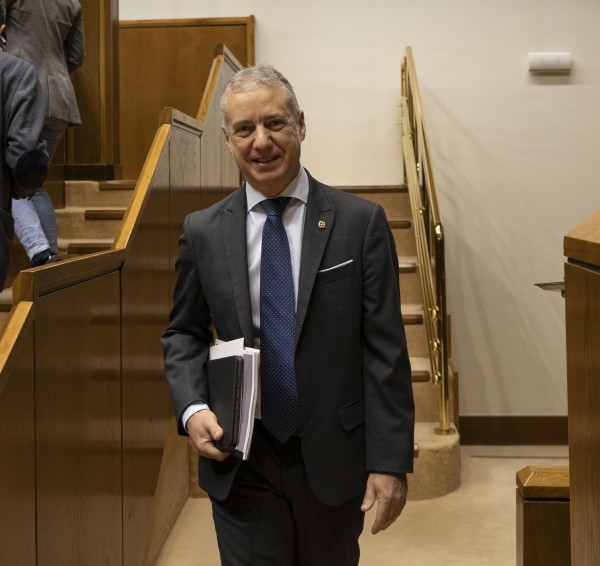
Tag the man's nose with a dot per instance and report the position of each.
(262, 137)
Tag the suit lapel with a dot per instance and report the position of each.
(233, 226)
(318, 224)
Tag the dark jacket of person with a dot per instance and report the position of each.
(49, 34)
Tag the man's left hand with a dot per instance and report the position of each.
(390, 490)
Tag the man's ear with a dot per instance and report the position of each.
(227, 139)
(302, 124)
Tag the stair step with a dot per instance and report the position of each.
(117, 185)
(87, 194)
(104, 213)
(85, 224)
(412, 318)
(374, 189)
(420, 369)
(407, 265)
(80, 247)
(403, 224)
(6, 300)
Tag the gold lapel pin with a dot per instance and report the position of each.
(321, 224)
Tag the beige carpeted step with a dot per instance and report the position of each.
(83, 194)
(416, 335)
(410, 286)
(393, 198)
(89, 223)
(6, 300)
(83, 246)
(427, 395)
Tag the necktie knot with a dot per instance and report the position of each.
(275, 206)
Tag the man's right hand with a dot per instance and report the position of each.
(203, 429)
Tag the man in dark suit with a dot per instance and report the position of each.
(23, 159)
(301, 496)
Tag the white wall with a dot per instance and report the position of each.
(516, 158)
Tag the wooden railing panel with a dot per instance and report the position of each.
(165, 63)
(582, 301)
(17, 441)
(146, 298)
(78, 424)
(146, 407)
(214, 149)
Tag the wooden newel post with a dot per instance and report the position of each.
(582, 302)
(543, 516)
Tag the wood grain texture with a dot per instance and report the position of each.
(17, 441)
(583, 242)
(582, 299)
(167, 64)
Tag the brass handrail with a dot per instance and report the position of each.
(429, 234)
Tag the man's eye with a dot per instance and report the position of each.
(243, 131)
(275, 124)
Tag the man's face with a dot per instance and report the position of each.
(264, 138)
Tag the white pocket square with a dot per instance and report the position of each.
(336, 266)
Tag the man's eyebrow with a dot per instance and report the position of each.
(240, 123)
(278, 116)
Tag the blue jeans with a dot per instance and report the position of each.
(35, 222)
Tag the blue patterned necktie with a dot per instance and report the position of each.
(279, 396)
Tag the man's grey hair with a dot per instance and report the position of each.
(2, 12)
(259, 76)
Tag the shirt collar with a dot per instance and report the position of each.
(297, 189)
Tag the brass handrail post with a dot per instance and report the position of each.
(429, 235)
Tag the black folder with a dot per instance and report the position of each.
(225, 377)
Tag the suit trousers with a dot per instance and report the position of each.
(272, 518)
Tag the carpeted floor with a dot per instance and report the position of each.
(472, 526)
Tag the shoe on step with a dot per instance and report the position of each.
(45, 257)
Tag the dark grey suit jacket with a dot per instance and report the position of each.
(352, 365)
(49, 34)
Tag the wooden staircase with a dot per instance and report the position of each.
(92, 215)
